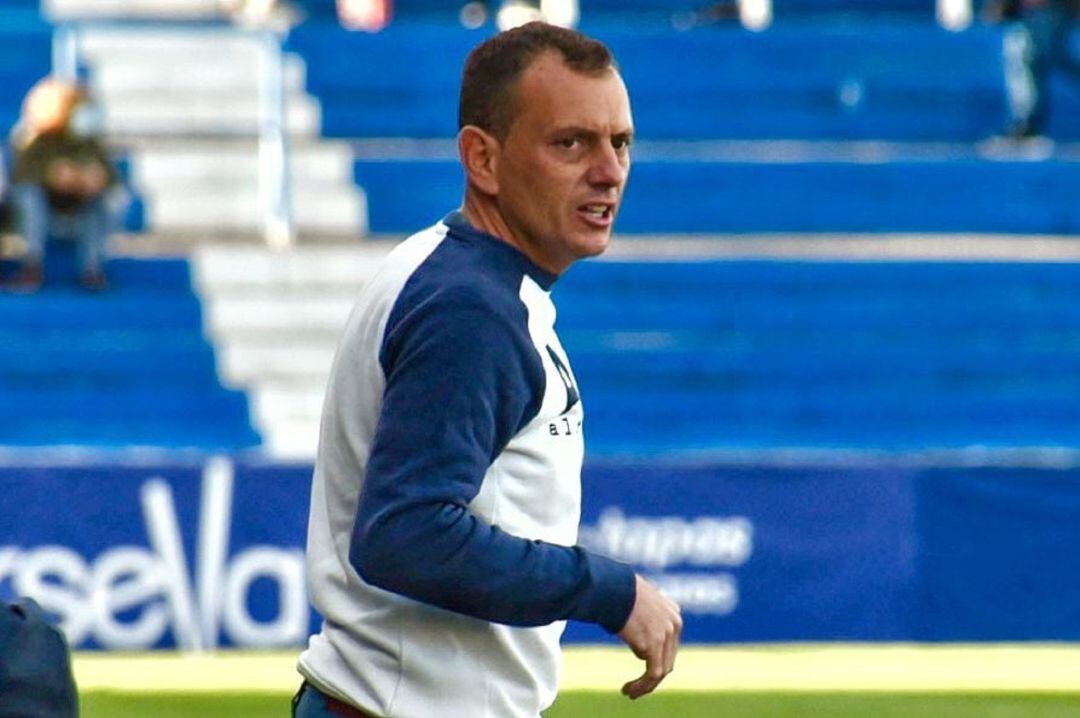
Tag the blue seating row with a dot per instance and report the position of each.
(657, 9)
(680, 357)
(130, 367)
(672, 358)
(873, 79)
(889, 191)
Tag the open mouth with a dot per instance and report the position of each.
(597, 213)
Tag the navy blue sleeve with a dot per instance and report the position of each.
(460, 382)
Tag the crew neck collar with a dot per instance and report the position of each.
(461, 228)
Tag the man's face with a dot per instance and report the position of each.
(564, 161)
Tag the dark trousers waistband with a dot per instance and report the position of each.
(334, 707)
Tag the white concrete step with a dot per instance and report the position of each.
(171, 165)
(287, 416)
(165, 45)
(241, 365)
(174, 9)
(320, 208)
(297, 441)
(276, 407)
(202, 114)
(311, 313)
(231, 271)
(161, 80)
(283, 390)
(127, 74)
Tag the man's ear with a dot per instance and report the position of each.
(479, 152)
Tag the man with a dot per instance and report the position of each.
(61, 181)
(1036, 42)
(446, 496)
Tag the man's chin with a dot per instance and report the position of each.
(593, 245)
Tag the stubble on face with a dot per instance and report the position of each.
(564, 162)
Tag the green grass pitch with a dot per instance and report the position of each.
(759, 681)
(588, 704)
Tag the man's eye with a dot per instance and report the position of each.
(568, 142)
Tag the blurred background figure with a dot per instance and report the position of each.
(261, 13)
(5, 203)
(369, 15)
(512, 13)
(63, 182)
(1036, 42)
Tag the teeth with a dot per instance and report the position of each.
(597, 209)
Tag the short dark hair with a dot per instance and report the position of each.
(488, 99)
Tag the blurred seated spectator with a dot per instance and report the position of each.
(367, 15)
(271, 14)
(512, 13)
(63, 183)
(5, 204)
(1036, 42)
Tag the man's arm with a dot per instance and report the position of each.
(460, 383)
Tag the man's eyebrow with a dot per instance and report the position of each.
(581, 131)
(575, 130)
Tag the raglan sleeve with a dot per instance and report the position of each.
(459, 385)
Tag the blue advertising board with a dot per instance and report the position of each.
(191, 555)
(761, 553)
(204, 553)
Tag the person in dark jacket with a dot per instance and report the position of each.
(61, 181)
(35, 665)
(1036, 43)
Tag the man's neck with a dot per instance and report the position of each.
(484, 215)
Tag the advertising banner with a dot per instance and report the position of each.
(206, 553)
(174, 555)
(757, 553)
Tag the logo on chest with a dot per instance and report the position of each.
(564, 426)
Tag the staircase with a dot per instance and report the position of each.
(275, 319)
(184, 101)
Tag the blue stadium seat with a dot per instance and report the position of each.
(884, 79)
(129, 367)
(823, 355)
(894, 79)
(889, 191)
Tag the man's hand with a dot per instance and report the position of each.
(652, 632)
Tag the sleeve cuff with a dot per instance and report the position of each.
(612, 596)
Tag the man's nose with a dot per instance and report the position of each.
(608, 168)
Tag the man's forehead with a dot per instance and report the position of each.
(558, 94)
(551, 67)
